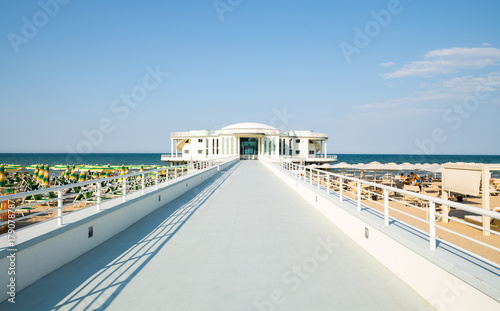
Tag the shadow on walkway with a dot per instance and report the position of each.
(93, 280)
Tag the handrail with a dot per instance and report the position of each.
(307, 174)
(144, 180)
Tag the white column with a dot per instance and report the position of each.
(175, 146)
(326, 148)
(171, 147)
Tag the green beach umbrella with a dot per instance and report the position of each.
(45, 180)
(72, 176)
(82, 176)
(13, 167)
(39, 178)
(66, 172)
(108, 174)
(2, 176)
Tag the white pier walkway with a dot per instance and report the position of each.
(242, 240)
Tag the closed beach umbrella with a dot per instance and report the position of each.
(72, 176)
(2, 176)
(35, 173)
(81, 177)
(39, 178)
(45, 180)
(66, 173)
(108, 174)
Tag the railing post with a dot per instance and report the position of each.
(386, 207)
(310, 176)
(319, 179)
(359, 196)
(99, 191)
(341, 191)
(432, 224)
(143, 186)
(59, 208)
(156, 179)
(327, 183)
(175, 177)
(167, 170)
(124, 188)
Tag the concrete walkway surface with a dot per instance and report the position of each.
(242, 240)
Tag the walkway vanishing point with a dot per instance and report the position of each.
(242, 240)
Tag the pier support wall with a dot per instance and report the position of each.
(445, 289)
(52, 246)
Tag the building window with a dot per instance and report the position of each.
(297, 141)
(186, 151)
(311, 151)
(310, 141)
(200, 151)
(200, 140)
(297, 151)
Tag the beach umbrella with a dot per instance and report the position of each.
(39, 178)
(2, 176)
(12, 167)
(342, 166)
(45, 180)
(66, 174)
(72, 176)
(434, 168)
(326, 166)
(81, 177)
(108, 174)
(373, 166)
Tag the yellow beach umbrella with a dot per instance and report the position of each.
(72, 176)
(39, 178)
(2, 176)
(45, 180)
(82, 176)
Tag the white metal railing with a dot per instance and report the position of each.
(249, 157)
(69, 197)
(332, 157)
(190, 134)
(170, 156)
(358, 190)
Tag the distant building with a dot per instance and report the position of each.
(249, 141)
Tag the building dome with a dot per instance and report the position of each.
(249, 128)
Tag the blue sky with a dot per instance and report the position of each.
(377, 76)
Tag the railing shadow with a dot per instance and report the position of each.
(93, 280)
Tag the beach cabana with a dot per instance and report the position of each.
(469, 179)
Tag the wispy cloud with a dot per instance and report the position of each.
(442, 92)
(389, 64)
(486, 44)
(447, 61)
